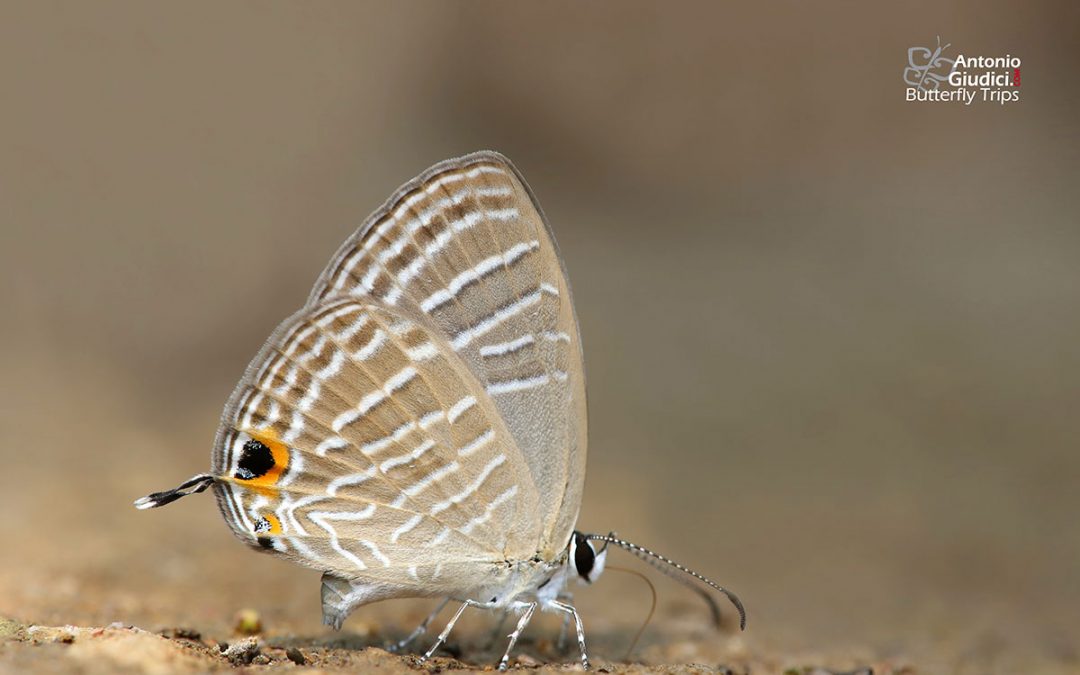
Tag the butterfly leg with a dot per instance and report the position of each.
(570, 610)
(522, 622)
(449, 627)
(560, 644)
(419, 630)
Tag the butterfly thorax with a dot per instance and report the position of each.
(539, 580)
(525, 581)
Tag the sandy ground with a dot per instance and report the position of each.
(91, 585)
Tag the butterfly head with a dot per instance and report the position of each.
(585, 559)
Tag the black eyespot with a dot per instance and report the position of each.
(255, 460)
(265, 542)
(584, 556)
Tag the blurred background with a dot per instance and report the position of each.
(832, 337)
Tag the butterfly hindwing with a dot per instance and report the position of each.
(358, 441)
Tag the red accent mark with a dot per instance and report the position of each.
(1016, 77)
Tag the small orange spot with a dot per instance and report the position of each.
(275, 524)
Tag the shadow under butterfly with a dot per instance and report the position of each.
(418, 428)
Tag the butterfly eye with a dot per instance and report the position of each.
(255, 461)
(584, 556)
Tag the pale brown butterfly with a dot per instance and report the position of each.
(418, 428)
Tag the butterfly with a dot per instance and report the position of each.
(418, 428)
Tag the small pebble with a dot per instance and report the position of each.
(242, 652)
(182, 634)
(296, 656)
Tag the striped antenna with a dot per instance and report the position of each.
(655, 559)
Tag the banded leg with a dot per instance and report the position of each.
(419, 630)
(569, 609)
(560, 644)
(522, 622)
(449, 627)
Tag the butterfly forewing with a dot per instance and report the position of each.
(358, 441)
(466, 247)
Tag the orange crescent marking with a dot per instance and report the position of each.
(265, 484)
